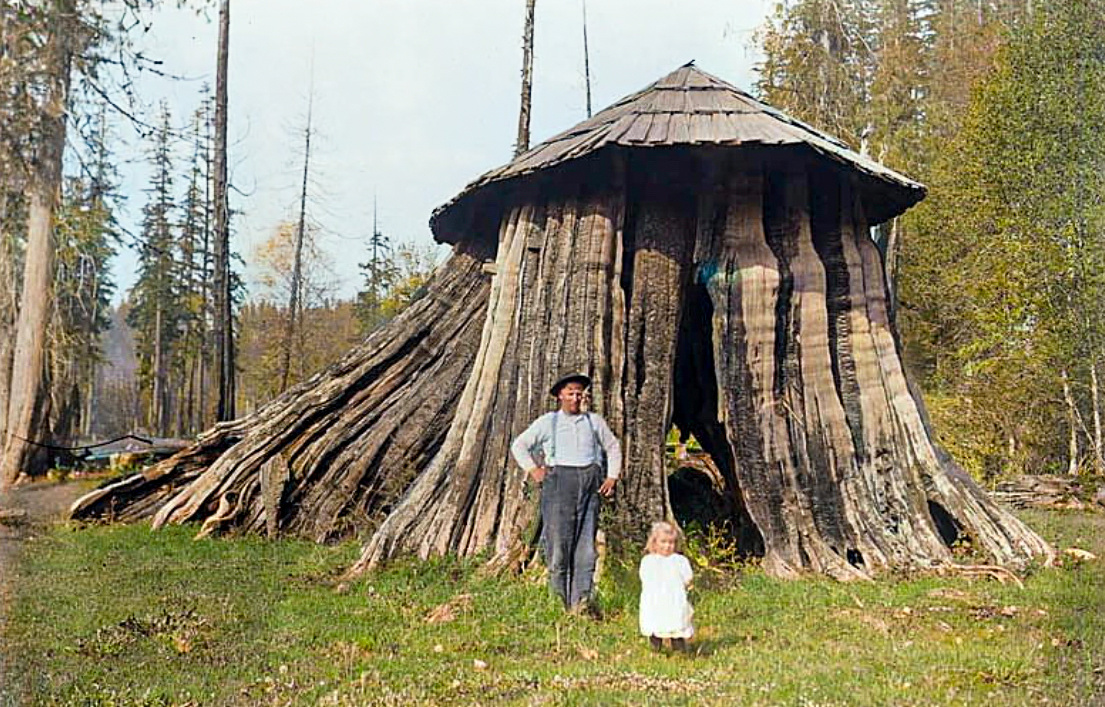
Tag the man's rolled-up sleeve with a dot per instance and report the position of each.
(613, 449)
(523, 443)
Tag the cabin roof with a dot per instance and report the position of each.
(686, 107)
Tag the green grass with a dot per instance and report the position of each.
(125, 616)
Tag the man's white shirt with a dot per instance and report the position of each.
(574, 443)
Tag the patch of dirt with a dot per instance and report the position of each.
(24, 511)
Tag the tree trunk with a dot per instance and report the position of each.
(522, 142)
(1095, 394)
(786, 426)
(832, 454)
(1072, 412)
(159, 413)
(295, 303)
(224, 306)
(556, 263)
(663, 237)
(28, 401)
(9, 305)
(586, 61)
(203, 352)
(893, 248)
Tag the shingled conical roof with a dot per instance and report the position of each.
(689, 107)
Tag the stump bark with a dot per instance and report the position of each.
(836, 468)
(826, 454)
(336, 451)
(592, 283)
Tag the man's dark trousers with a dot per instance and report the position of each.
(570, 513)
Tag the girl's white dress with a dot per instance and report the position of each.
(665, 611)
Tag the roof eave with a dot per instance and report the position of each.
(896, 192)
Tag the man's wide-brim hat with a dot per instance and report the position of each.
(570, 378)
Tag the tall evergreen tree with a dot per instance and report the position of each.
(46, 50)
(157, 313)
(195, 243)
(819, 58)
(87, 236)
(379, 275)
(61, 38)
(83, 287)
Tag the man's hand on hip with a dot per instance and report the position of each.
(607, 488)
(537, 473)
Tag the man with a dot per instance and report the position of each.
(562, 451)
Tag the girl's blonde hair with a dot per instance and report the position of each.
(660, 529)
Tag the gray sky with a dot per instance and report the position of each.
(412, 98)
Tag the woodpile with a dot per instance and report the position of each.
(1040, 491)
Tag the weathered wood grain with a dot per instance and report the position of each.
(548, 313)
(352, 436)
(663, 239)
(831, 456)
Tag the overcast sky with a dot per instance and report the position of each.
(412, 98)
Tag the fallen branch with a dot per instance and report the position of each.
(995, 572)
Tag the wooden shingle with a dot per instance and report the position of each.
(686, 107)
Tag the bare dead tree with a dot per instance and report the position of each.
(586, 60)
(522, 142)
(295, 303)
(224, 316)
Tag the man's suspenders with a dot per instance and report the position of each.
(600, 451)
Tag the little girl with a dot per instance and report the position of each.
(665, 576)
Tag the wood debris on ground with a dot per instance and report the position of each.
(444, 613)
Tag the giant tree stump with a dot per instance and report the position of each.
(723, 279)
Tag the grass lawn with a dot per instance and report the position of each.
(125, 616)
